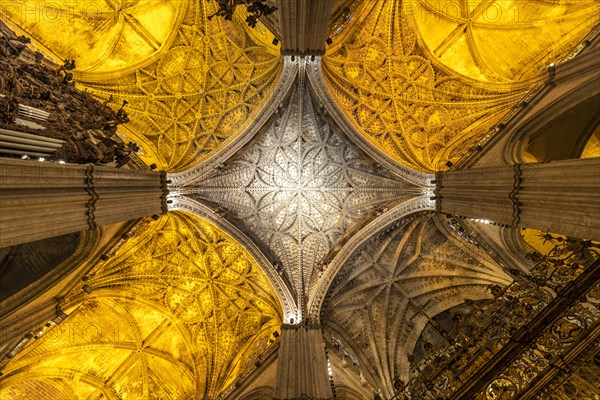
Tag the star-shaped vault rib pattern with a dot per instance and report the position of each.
(180, 299)
(196, 95)
(300, 187)
(411, 109)
(385, 293)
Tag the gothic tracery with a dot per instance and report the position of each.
(300, 187)
(179, 297)
(420, 111)
(313, 213)
(402, 277)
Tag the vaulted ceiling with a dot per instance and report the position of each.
(395, 283)
(192, 83)
(421, 80)
(424, 80)
(179, 298)
(199, 297)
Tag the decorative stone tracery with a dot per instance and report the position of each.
(299, 187)
(395, 283)
(335, 223)
(179, 298)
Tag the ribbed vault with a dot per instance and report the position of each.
(109, 348)
(493, 40)
(300, 187)
(179, 298)
(104, 37)
(188, 97)
(392, 285)
(181, 309)
(425, 110)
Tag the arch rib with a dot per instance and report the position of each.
(282, 288)
(317, 295)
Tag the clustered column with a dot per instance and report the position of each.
(560, 197)
(40, 199)
(302, 369)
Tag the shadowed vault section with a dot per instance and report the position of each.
(391, 287)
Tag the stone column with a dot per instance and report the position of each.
(561, 196)
(39, 200)
(304, 26)
(302, 365)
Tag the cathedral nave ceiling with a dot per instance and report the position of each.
(179, 298)
(420, 85)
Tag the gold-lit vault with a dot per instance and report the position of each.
(592, 147)
(188, 98)
(502, 41)
(104, 37)
(423, 110)
(535, 240)
(179, 299)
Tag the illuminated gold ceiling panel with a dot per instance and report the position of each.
(417, 110)
(187, 98)
(502, 40)
(402, 102)
(592, 147)
(102, 36)
(176, 313)
(109, 348)
(199, 93)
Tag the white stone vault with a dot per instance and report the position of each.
(298, 192)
